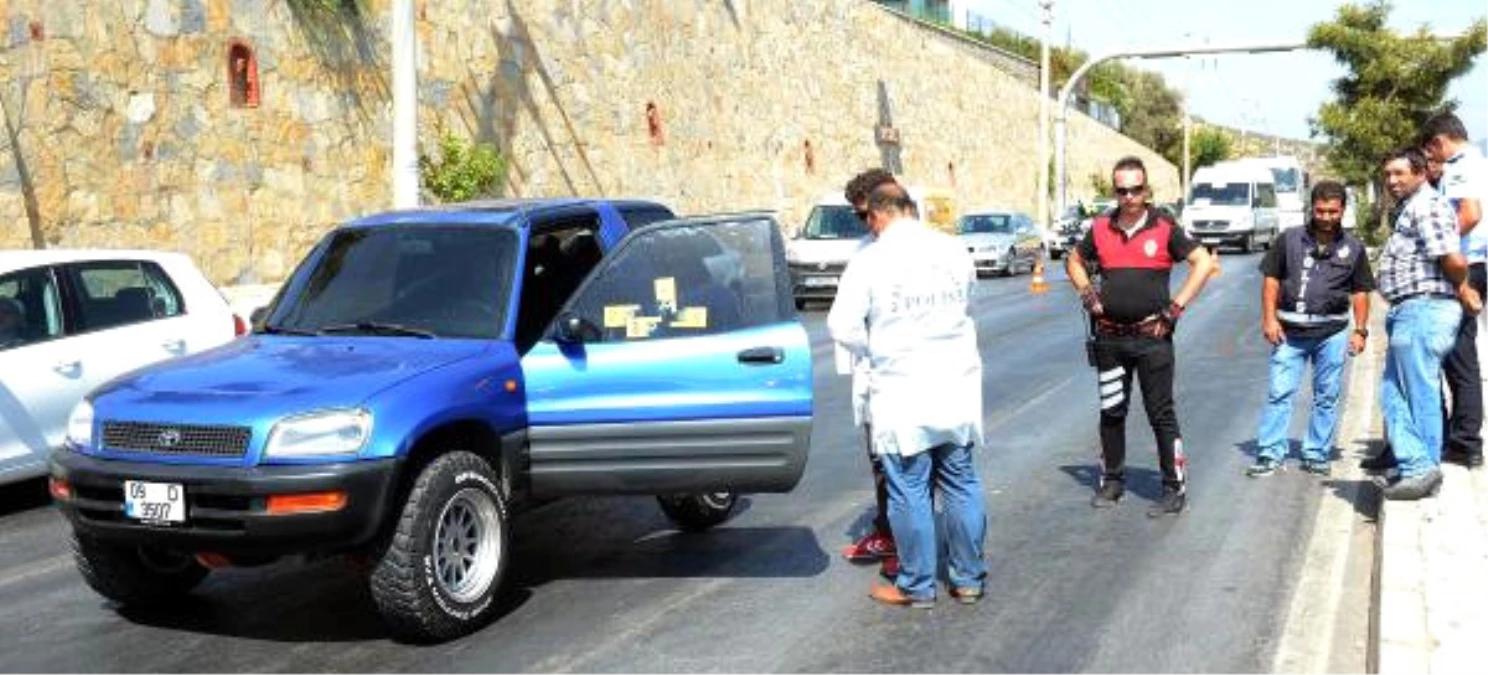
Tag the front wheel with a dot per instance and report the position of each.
(695, 513)
(135, 575)
(439, 573)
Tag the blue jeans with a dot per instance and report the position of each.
(1422, 331)
(1288, 363)
(912, 516)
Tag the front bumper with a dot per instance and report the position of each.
(815, 282)
(992, 263)
(226, 507)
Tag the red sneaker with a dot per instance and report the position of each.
(875, 546)
(890, 568)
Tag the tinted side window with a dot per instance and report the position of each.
(122, 292)
(638, 217)
(688, 280)
(30, 308)
(1267, 193)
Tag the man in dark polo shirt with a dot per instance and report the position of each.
(1315, 278)
(1134, 248)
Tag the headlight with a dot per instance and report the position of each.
(80, 425)
(791, 255)
(322, 434)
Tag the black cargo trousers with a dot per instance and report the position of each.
(1461, 367)
(1151, 360)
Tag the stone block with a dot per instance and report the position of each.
(161, 18)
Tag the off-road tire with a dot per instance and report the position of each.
(410, 586)
(698, 512)
(134, 575)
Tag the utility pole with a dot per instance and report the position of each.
(405, 107)
(1043, 131)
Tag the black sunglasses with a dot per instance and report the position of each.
(1130, 191)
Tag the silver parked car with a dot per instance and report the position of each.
(1001, 242)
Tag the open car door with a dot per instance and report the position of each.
(679, 365)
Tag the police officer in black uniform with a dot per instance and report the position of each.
(1132, 319)
(1316, 279)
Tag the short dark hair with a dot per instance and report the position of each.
(889, 196)
(858, 188)
(1411, 154)
(1329, 190)
(1128, 163)
(1444, 124)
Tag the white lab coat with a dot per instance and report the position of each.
(902, 306)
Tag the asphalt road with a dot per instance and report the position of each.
(607, 585)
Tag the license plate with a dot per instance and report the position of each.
(819, 281)
(155, 502)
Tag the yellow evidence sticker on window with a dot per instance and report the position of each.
(691, 317)
(618, 316)
(641, 326)
(666, 294)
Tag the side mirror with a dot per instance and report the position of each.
(258, 316)
(573, 328)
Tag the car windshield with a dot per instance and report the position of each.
(834, 222)
(1227, 194)
(985, 224)
(404, 280)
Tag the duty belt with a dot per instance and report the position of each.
(1146, 327)
(1301, 319)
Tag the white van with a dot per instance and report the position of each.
(819, 252)
(1232, 204)
(1292, 184)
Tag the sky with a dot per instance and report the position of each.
(1268, 93)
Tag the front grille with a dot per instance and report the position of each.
(176, 439)
(818, 268)
(1210, 224)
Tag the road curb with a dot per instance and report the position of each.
(1431, 578)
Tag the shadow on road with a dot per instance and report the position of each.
(23, 496)
(1144, 483)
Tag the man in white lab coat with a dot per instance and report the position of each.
(902, 305)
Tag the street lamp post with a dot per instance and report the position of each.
(1062, 120)
(1043, 132)
(405, 107)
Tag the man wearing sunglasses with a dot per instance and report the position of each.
(878, 544)
(1134, 247)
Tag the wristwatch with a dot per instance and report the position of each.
(1362, 332)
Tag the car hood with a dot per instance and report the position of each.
(273, 374)
(985, 239)
(813, 251)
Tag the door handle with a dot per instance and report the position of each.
(762, 355)
(174, 345)
(68, 367)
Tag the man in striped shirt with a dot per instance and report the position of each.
(1424, 277)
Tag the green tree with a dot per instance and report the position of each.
(463, 170)
(1394, 82)
(1208, 146)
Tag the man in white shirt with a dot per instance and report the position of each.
(903, 306)
(1464, 183)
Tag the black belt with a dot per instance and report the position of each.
(1418, 296)
(1143, 328)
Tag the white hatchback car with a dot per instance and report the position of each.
(73, 320)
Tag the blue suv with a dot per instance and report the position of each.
(421, 374)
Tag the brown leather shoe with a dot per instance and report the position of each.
(890, 594)
(967, 596)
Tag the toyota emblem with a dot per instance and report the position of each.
(821, 266)
(169, 438)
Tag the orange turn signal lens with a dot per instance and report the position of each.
(310, 502)
(61, 489)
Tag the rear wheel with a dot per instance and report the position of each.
(135, 575)
(700, 511)
(439, 573)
